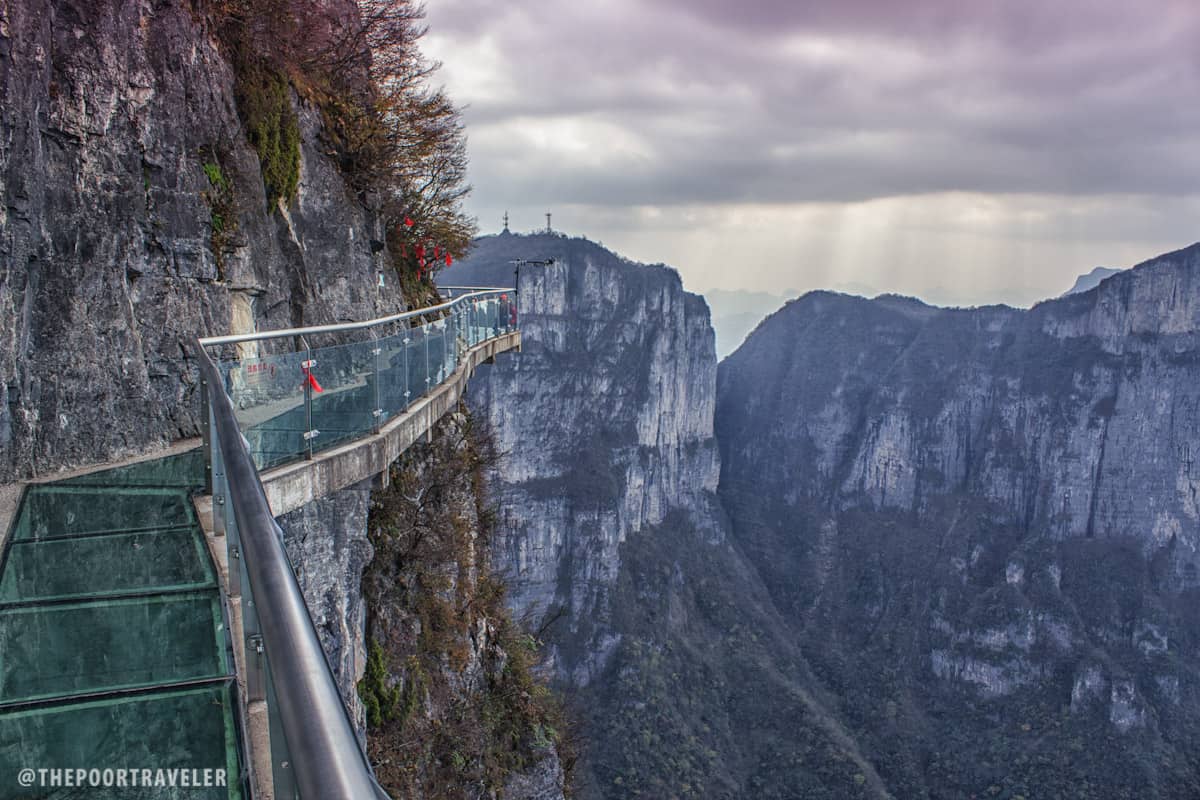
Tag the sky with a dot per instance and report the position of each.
(963, 151)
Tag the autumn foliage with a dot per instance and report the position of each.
(398, 138)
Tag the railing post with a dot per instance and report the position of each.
(407, 387)
(377, 405)
(206, 434)
(215, 474)
(426, 338)
(309, 432)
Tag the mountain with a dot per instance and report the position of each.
(981, 528)
(950, 552)
(616, 548)
(1091, 280)
(134, 216)
(736, 312)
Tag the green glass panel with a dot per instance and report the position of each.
(56, 510)
(187, 729)
(183, 470)
(69, 648)
(118, 563)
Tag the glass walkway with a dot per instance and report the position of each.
(113, 645)
(115, 657)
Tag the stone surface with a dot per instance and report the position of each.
(327, 543)
(110, 111)
(604, 420)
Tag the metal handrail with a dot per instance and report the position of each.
(321, 740)
(476, 288)
(212, 341)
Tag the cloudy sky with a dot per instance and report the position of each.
(965, 151)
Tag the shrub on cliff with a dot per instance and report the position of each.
(398, 139)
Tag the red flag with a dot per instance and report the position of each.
(408, 223)
(312, 380)
(420, 251)
(449, 260)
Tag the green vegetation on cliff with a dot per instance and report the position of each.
(397, 138)
(452, 691)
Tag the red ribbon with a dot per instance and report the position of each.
(312, 380)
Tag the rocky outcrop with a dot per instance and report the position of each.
(118, 120)
(949, 545)
(605, 423)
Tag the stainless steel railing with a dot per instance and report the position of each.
(315, 754)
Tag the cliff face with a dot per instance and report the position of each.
(982, 525)
(682, 677)
(112, 112)
(453, 704)
(952, 551)
(328, 545)
(605, 423)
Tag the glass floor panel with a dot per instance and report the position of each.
(108, 599)
(96, 566)
(184, 470)
(71, 648)
(174, 729)
(55, 510)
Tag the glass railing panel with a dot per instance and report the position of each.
(451, 323)
(57, 510)
(69, 648)
(486, 319)
(419, 380)
(182, 729)
(344, 407)
(437, 335)
(268, 397)
(393, 374)
(98, 566)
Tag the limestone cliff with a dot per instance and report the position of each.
(454, 705)
(952, 552)
(605, 423)
(982, 524)
(133, 217)
(680, 670)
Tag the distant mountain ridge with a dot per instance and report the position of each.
(736, 312)
(983, 526)
(1091, 280)
(950, 552)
